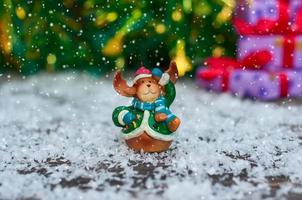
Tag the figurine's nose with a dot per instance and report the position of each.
(148, 85)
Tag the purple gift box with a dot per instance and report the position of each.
(286, 50)
(254, 10)
(257, 84)
(263, 85)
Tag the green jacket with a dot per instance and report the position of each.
(145, 119)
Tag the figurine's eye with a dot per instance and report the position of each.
(149, 81)
(143, 81)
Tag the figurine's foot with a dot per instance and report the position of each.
(160, 117)
(174, 124)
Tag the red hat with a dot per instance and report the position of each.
(142, 72)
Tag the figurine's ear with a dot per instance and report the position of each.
(173, 72)
(120, 85)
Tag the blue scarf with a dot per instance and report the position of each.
(142, 105)
(160, 102)
(158, 106)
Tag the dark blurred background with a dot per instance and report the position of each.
(98, 36)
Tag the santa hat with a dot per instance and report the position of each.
(142, 72)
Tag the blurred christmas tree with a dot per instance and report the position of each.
(100, 35)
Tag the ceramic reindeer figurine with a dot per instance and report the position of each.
(148, 124)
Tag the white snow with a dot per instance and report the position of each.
(56, 129)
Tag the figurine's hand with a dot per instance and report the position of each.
(129, 118)
(160, 117)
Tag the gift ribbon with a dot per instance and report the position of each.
(267, 26)
(284, 84)
(288, 51)
(225, 81)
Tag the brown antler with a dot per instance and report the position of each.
(121, 86)
(173, 72)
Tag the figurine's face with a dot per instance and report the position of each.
(148, 90)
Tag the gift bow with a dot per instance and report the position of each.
(254, 60)
(267, 26)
